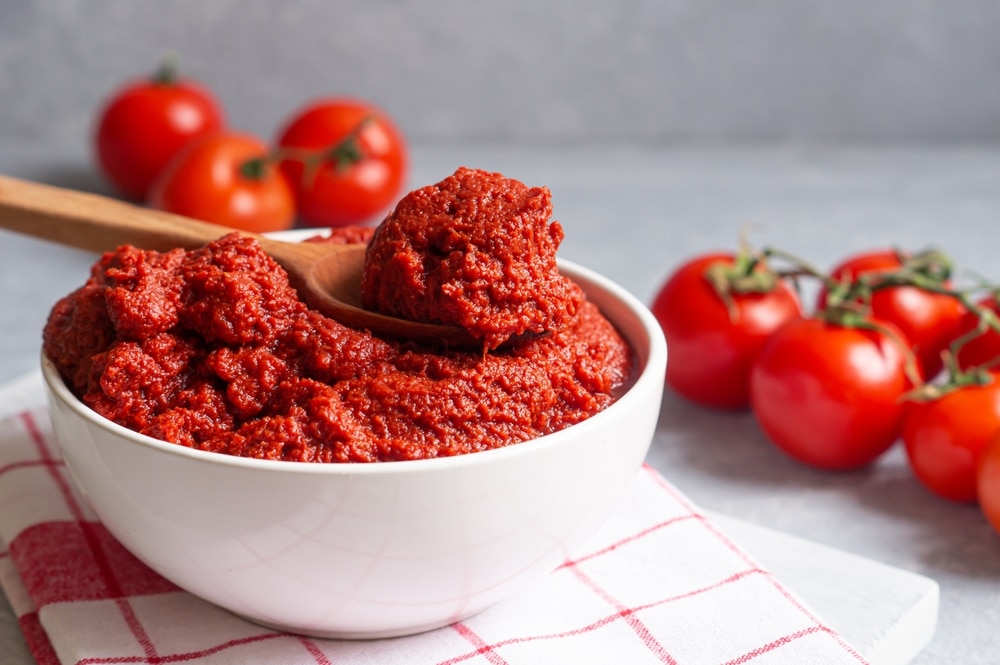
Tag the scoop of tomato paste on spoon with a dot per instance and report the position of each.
(476, 250)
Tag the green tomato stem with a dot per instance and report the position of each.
(255, 168)
(166, 73)
(342, 155)
(848, 303)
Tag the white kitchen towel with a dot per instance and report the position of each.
(660, 583)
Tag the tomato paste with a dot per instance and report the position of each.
(213, 349)
(476, 250)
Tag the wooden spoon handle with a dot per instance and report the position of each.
(95, 223)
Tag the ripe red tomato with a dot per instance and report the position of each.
(929, 321)
(981, 350)
(358, 189)
(144, 124)
(945, 437)
(208, 181)
(830, 395)
(711, 352)
(988, 481)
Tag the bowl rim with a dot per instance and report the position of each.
(650, 351)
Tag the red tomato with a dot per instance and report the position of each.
(354, 192)
(829, 395)
(988, 481)
(981, 350)
(929, 321)
(711, 352)
(146, 123)
(945, 438)
(207, 181)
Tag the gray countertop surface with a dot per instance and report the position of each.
(634, 214)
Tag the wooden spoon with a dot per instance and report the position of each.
(327, 277)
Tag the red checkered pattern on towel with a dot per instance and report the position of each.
(659, 584)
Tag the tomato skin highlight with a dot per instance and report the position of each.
(710, 354)
(360, 192)
(828, 395)
(144, 124)
(945, 439)
(205, 182)
(928, 321)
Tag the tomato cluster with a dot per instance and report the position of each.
(891, 350)
(164, 141)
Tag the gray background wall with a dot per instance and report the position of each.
(554, 71)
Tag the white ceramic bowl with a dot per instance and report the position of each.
(368, 550)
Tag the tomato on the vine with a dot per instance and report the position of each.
(982, 350)
(145, 123)
(362, 172)
(929, 321)
(945, 437)
(227, 179)
(988, 481)
(829, 395)
(712, 343)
